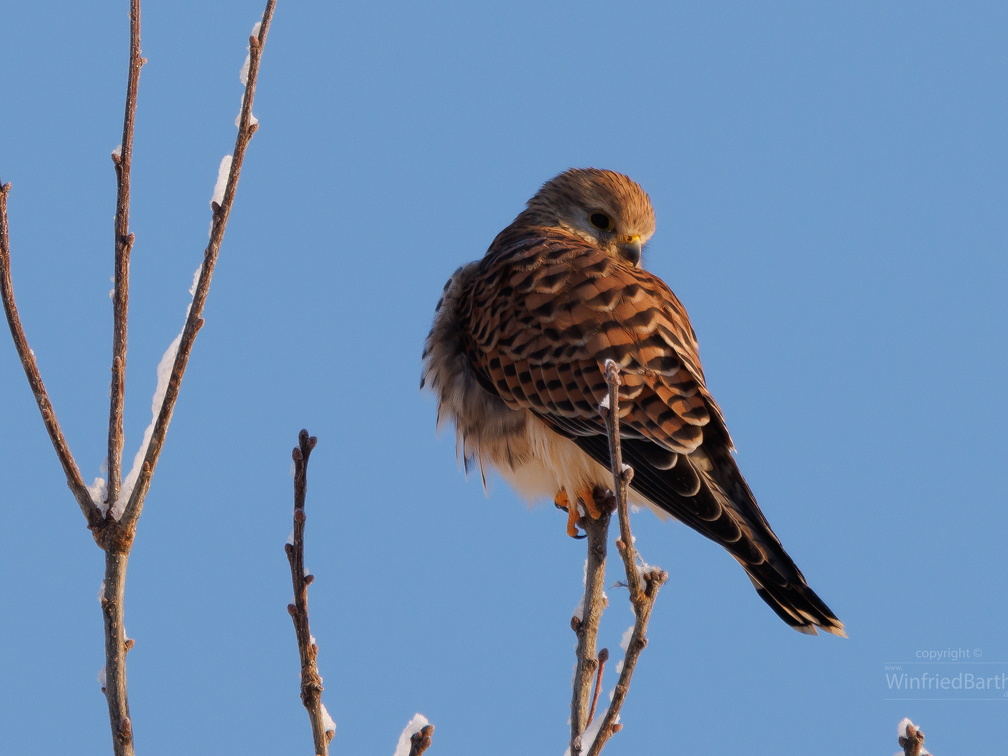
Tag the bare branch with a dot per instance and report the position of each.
(74, 480)
(586, 626)
(603, 657)
(622, 475)
(123, 161)
(116, 646)
(116, 537)
(643, 584)
(311, 680)
(112, 538)
(194, 320)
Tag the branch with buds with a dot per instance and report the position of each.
(111, 511)
(323, 727)
(643, 583)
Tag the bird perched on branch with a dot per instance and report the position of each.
(516, 356)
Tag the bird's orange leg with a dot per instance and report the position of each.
(562, 501)
(585, 497)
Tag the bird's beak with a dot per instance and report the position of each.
(630, 249)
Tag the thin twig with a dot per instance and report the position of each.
(88, 507)
(622, 475)
(311, 681)
(643, 584)
(123, 161)
(420, 740)
(586, 626)
(194, 320)
(603, 657)
(116, 541)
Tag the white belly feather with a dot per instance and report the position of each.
(534, 460)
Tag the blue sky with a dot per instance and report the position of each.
(829, 183)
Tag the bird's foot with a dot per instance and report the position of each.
(562, 501)
(585, 498)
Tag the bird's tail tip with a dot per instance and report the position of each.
(800, 607)
(834, 628)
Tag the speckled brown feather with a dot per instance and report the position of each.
(521, 337)
(551, 309)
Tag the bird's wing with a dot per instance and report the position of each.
(544, 311)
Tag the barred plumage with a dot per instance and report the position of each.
(516, 359)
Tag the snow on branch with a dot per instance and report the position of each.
(911, 739)
(415, 737)
(221, 206)
(112, 507)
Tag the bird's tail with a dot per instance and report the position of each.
(793, 600)
(719, 504)
(706, 491)
(773, 573)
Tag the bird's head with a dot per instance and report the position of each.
(604, 208)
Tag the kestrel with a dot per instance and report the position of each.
(516, 356)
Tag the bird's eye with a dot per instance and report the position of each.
(601, 221)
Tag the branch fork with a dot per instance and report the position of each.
(643, 584)
(114, 535)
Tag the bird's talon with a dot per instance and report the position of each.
(562, 501)
(572, 518)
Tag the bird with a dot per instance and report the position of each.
(516, 356)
